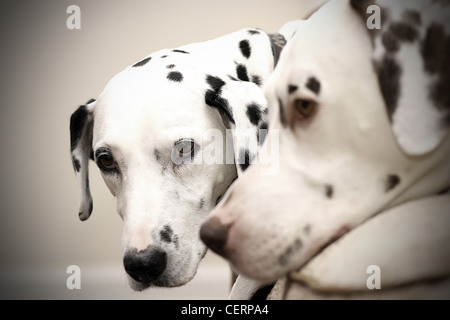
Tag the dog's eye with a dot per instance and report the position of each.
(186, 147)
(106, 162)
(184, 151)
(304, 107)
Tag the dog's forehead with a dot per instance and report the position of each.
(326, 52)
(331, 66)
(146, 99)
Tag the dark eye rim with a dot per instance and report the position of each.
(102, 154)
(305, 108)
(193, 148)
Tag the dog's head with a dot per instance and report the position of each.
(363, 125)
(158, 133)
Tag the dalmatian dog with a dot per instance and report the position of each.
(363, 117)
(150, 133)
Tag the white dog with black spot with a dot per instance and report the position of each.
(363, 119)
(147, 132)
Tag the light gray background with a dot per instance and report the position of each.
(46, 72)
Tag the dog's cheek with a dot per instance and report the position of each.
(112, 182)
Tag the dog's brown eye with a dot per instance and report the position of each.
(106, 162)
(305, 107)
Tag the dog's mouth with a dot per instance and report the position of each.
(166, 280)
(162, 281)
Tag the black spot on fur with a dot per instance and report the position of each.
(403, 31)
(76, 164)
(278, 42)
(77, 121)
(244, 46)
(361, 8)
(254, 113)
(170, 66)
(244, 159)
(283, 117)
(262, 133)
(257, 80)
(142, 62)
(164, 56)
(412, 17)
(432, 48)
(180, 51)
(233, 78)
(292, 88)
(175, 76)
(314, 85)
(241, 71)
(329, 191)
(284, 258)
(214, 100)
(262, 293)
(215, 82)
(436, 56)
(390, 42)
(389, 73)
(253, 32)
(157, 154)
(166, 234)
(391, 182)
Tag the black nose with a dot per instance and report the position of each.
(145, 265)
(214, 234)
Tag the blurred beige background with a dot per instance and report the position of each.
(47, 70)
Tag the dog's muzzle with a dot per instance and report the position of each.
(146, 265)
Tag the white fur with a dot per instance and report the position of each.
(278, 223)
(139, 117)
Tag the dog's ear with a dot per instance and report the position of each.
(81, 125)
(411, 56)
(243, 108)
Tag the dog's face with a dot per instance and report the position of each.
(340, 161)
(158, 133)
(149, 146)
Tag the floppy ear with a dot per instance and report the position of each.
(411, 56)
(81, 124)
(243, 108)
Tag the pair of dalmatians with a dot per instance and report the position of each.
(362, 118)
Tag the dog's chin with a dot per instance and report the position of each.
(161, 281)
(264, 269)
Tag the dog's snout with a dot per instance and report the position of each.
(145, 265)
(214, 234)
